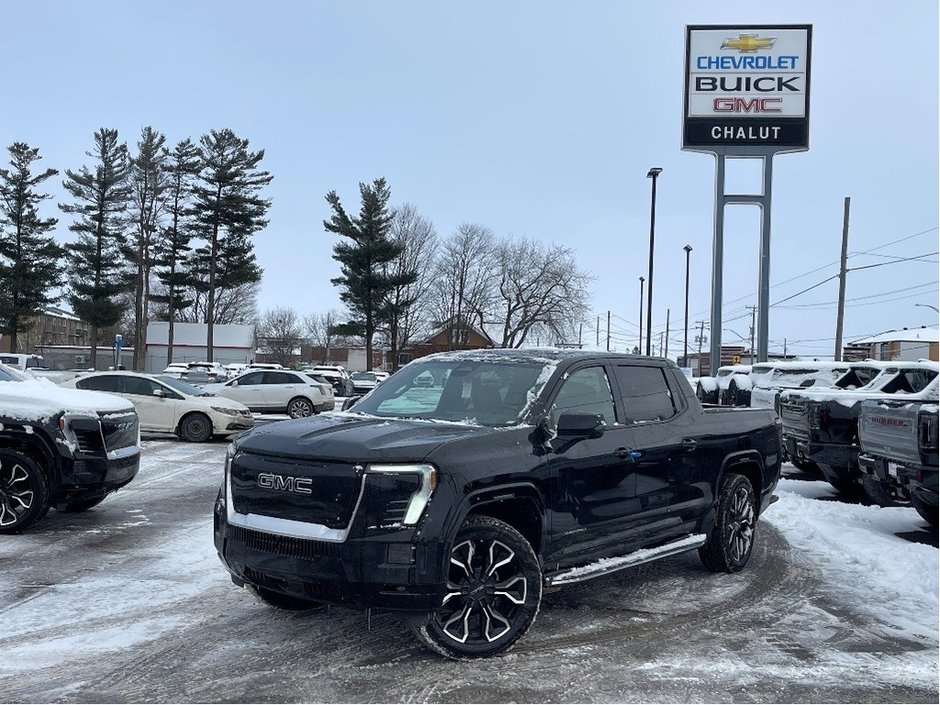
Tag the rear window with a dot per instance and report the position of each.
(646, 394)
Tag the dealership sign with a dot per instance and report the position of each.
(747, 86)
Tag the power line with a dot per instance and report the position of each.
(896, 261)
(863, 298)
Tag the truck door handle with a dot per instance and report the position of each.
(689, 444)
(627, 454)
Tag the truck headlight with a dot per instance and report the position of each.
(418, 501)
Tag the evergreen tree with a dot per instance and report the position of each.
(148, 181)
(173, 246)
(229, 209)
(96, 272)
(30, 267)
(367, 280)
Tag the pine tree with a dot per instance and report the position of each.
(228, 209)
(173, 246)
(366, 280)
(30, 260)
(148, 181)
(97, 275)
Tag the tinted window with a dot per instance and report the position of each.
(586, 391)
(102, 383)
(140, 386)
(280, 378)
(646, 395)
(251, 378)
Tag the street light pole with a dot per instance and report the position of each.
(653, 173)
(685, 345)
(640, 348)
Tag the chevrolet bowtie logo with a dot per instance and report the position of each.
(748, 43)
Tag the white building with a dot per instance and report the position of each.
(905, 344)
(231, 343)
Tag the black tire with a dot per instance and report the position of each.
(928, 512)
(731, 396)
(24, 492)
(196, 428)
(844, 485)
(300, 408)
(280, 601)
(879, 493)
(732, 538)
(81, 505)
(476, 618)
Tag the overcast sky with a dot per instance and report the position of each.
(536, 119)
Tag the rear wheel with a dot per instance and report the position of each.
(81, 505)
(24, 492)
(729, 547)
(300, 407)
(196, 428)
(494, 588)
(280, 601)
(928, 512)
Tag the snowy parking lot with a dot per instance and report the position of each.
(128, 602)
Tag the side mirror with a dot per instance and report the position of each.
(350, 401)
(575, 424)
(159, 393)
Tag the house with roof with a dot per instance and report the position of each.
(905, 344)
(449, 335)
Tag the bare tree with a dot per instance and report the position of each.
(234, 305)
(406, 305)
(464, 279)
(541, 290)
(282, 333)
(320, 332)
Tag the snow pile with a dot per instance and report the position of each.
(895, 579)
(40, 399)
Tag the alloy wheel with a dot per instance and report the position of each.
(299, 408)
(740, 524)
(16, 492)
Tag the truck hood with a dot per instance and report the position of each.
(352, 437)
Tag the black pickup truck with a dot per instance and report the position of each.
(62, 448)
(468, 482)
(822, 426)
(899, 455)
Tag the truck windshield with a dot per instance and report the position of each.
(485, 393)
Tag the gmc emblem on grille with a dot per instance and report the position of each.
(285, 483)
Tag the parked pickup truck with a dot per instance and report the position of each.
(899, 453)
(822, 426)
(512, 472)
(61, 448)
(769, 379)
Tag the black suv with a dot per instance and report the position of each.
(62, 448)
(512, 472)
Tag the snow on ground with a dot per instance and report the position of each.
(860, 551)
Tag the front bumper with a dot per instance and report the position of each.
(387, 571)
(86, 477)
(223, 424)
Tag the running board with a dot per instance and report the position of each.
(611, 565)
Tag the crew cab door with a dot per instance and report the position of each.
(593, 479)
(671, 487)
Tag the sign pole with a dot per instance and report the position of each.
(718, 248)
(763, 296)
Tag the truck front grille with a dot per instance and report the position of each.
(289, 546)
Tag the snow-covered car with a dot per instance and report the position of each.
(60, 448)
(278, 391)
(213, 370)
(709, 389)
(336, 376)
(176, 369)
(364, 382)
(168, 405)
(22, 362)
(265, 366)
(770, 378)
(235, 369)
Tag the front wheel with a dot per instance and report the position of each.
(928, 512)
(729, 547)
(196, 428)
(24, 492)
(494, 588)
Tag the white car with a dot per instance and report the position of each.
(21, 362)
(168, 405)
(297, 394)
(337, 376)
(381, 375)
(364, 382)
(176, 369)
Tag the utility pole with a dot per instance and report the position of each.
(667, 333)
(845, 251)
(580, 327)
(753, 316)
(700, 339)
(784, 348)
(598, 342)
(608, 331)
(640, 350)
(660, 343)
